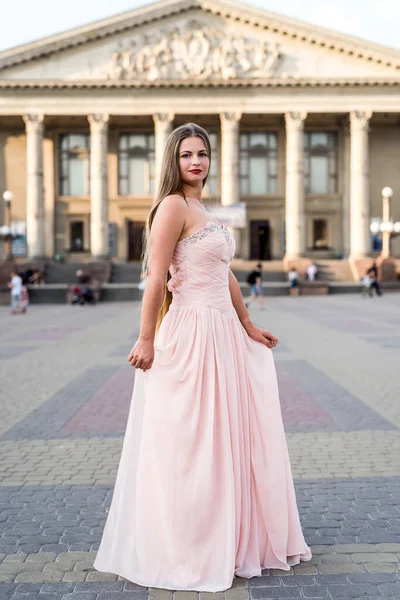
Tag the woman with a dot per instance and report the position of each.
(204, 489)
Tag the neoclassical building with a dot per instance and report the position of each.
(304, 124)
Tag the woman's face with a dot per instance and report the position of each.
(194, 161)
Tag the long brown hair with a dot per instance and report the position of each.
(170, 183)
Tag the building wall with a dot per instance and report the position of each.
(13, 170)
(60, 211)
(385, 170)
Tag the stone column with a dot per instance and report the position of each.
(294, 205)
(360, 244)
(162, 128)
(34, 190)
(98, 186)
(230, 182)
(49, 191)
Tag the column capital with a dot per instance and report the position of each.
(33, 122)
(98, 121)
(295, 120)
(230, 119)
(163, 119)
(359, 120)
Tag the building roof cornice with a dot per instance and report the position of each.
(228, 9)
(187, 84)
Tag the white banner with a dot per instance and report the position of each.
(234, 215)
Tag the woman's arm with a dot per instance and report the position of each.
(259, 335)
(166, 229)
(237, 301)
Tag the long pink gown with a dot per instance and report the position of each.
(204, 489)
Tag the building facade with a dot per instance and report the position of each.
(304, 125)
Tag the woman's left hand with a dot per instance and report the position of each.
(262, 336)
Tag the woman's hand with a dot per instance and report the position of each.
(262, 336)
(142, 355)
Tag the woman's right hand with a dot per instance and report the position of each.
(142, 355)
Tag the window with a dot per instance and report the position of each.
(76, 242)
(320, 162)
(136, 164)
(211, 186)
(74, 164)
(320, 234)
(258, 163)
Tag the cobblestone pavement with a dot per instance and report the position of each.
(64, 402)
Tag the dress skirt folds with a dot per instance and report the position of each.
(204, 489)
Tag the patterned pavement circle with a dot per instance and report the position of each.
(64, 404)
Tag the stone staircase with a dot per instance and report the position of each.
(61, 272)
(334, 270)
(125, 273)
(273, 270)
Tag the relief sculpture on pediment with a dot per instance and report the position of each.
(195, 52)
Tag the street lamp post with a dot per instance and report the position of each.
(7, 197)
(387, 193)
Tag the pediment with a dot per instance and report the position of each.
(162, 43)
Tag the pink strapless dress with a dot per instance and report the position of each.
(204, 489)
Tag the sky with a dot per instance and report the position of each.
(23, 21)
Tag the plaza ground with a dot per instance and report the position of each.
(65, 393)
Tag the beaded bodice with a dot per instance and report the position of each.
(200, 268)
(205, 231)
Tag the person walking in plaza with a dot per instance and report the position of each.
(204, 490)
(293, 282)
(254, 279)
(312, 271)
(372, 273)
(16, 288)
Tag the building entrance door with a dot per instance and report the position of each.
(135, 238)
(260, 240)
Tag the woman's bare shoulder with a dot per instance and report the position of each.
(172, 205)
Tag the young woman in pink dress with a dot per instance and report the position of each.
(204, 489)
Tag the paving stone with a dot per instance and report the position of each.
(160, 594)
(337, 558)
(81, 596)
(99, 576)
(131, 586)
(75, 576)
(331, 569)
(373, 578)
(15, 558)
(320, 549)
(6, 590)
(381, 568)
(315, 591)
(36, 597)
(237, 593)
(183, 595)
(375, 558)
(42, 557)
(354, 591)
(390, 589)
(305, 569)
(274, 592)
(266, 581)
(387, 548)
(352, 548)
(121, 596)
(39, 576)
(28, 588)
(63, 587)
